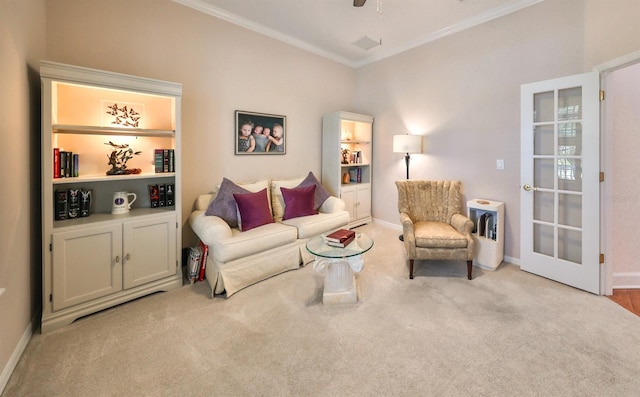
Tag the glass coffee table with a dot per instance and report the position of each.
(338, 265)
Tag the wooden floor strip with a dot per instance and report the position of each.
(627, 298)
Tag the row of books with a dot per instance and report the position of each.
(65, 164)
(340, 238)
(355, 175)
(486, 227)
(197, 263)
(72, 203)
(162, 195)
(164, 160)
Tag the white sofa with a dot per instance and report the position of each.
(238, 258)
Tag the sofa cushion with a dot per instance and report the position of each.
(253, 209)
(298, 201)
(254, 241)
(313, 225)
(224, 205)
(277, 201)
(321, 194)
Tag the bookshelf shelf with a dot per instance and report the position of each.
(92, 259)
(111, 178)
(95, 130)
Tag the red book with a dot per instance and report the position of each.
(340, 235)
(342, 244)
(203, 260)
(56, 162)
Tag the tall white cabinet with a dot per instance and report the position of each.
(99, 260)
(346, 161)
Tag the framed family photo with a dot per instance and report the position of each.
(260, 133)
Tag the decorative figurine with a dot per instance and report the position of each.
(118, 159)
(345, 156)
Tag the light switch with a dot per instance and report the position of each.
(500, 164)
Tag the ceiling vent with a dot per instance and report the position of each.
(367, 43)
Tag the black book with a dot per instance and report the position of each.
(154, 196)
(163, 195)
(73, 203)
(85, 203)
(68, 170)
(63, 164)
(165, 160)
(169, 193)
(61, 211)
(172, 168)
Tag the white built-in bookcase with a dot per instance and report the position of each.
(97, 261)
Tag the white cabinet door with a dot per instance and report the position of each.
(149, 250)
(358, 202)
(348, 195)
(363, 206)
(86, 265)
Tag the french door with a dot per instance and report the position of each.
(560, 169)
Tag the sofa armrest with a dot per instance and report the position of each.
(332, 204)
(210, 229)
(462, 224)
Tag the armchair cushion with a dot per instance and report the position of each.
(438, 235)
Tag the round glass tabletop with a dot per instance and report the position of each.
(361, 244)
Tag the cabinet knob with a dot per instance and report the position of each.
(127, 257)
(118, 259)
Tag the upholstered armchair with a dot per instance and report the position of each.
(433, 225)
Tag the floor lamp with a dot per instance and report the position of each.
(407, 144)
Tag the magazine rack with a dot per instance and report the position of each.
(488, 232)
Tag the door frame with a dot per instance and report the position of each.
(606, 159)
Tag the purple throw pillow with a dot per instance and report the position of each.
(224, 205)
(254, 209)
(298, 201)
(321, 194)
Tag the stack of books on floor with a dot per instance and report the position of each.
(197, 263)
(340, 238)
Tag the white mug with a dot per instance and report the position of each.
(121, 203)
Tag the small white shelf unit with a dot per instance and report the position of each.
(488, 232)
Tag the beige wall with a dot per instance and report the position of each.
(463, 94)
(22, 24)
(622, 145)
(222, 68)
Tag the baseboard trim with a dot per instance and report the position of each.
(15, 357)
(626, 280)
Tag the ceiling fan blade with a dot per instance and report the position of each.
(359, 3)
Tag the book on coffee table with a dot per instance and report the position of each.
(339, 236)
(342, 244)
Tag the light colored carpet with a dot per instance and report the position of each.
(505, 333)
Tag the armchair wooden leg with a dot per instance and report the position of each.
(469, 267)
(411, 269)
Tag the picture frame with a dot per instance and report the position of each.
(267, 136)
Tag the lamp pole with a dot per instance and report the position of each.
(406, 161)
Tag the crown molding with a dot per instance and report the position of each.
(469, 23)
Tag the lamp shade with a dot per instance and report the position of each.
(407, 143)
